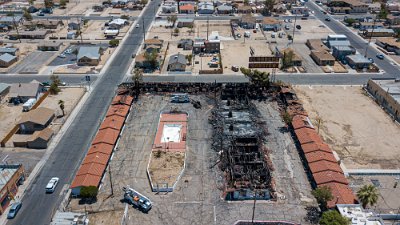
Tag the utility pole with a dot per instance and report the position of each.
(370, 37)
(144, 33)
(254, 207)
(111, 183)
(16, 28)
(294, 27)
(208, 23)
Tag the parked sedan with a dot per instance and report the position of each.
(15, 207)
(380, 56)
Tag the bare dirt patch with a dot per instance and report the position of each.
(354, 126)
(165, 167)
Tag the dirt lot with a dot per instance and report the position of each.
(165, 167)
(354, 126)
(237, 53)
(310, 28)
(24, 50)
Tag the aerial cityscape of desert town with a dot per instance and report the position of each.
(202, 112)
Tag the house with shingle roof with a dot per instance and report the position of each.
(88, 56)
(35, 120)
(7, 60)
(24, 91)
(177, 62)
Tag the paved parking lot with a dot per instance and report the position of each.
(196, 200)
(32, 63)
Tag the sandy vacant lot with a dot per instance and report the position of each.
(353, 125)
(165, 167)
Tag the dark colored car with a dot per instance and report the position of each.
(298, 27)
(327, 19)
(380, 56)
(15, 207)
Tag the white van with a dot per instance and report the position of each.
(28, 104)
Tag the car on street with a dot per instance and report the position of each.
(380, 56)
(62, 55)
(40, 14)
(137, 26)
(238, 35)
(51, 186)
(287, 27)
(15, 207)
(68, 51)
(298, 27)
(327, 19)
(371, 60)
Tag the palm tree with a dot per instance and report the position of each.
(61, 104)
(368, 195)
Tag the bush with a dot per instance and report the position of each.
(54, 89)
(114, 43)
(89, 192)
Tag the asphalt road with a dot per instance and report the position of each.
(39, 207)
(356, 41)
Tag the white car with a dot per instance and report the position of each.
(51, 186)
(62, 56)
(137, 26)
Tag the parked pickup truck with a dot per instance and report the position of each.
(136, 199)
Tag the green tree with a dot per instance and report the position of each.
(152, 58)
(287, 118)
(89, 192)
(63, 4)
(176, 31)
(268, 6)
(323, 195)
(54, 89)
(62, 106)
(333, 217)
(113, 43)
(125, 17)
(27, 15)
(349, 21)
(55, 79)
(189, 58)
(144, 2)
(246, 2)
(383, 13)
(256, 77)
(368, 195)
(287, 60)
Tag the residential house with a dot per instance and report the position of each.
(49, 46)
(186, 9)
(340, 52)
(35, 120)
(4, 89)
(71, 35)
(185, 22)
(205, 8)
(348, 6)
(280, 8)
(23, 91)
(152, 48)
(153, 41)
(36, 34)
(75, 25)
(186, 44)
(88, 56)
(248, 22)
(198, 45)
(358, 61)
(300, 10)
(117, 24)
(244, 9)
(369, 25)
(8, 50)
(323, 58)
(378, 33)
(177, 62)
(271, 24)
(212, 46)
(49, 24)
(7, 60)
(389, 44)
(11, 20)
(393, 20)
(316, 45)
(40, 139)
(169, 7)
(224, 9)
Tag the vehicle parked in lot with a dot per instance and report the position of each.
(15, 207)
(136, 199)
(380, 56)
(28, 104)
(51, 186)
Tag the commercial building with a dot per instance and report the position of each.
(358, 61)
(387, 93)
(11, 177)
(340, 52)
(389, 45)
(378, 33)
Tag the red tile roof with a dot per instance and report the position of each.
(101, 148)
(329, 177)
(107, 136)
(91, 168)
(321, 166)
(342, 194)
(98, 158)
(122, 100)
(312, 147)
(172, 117)
(119, 110)
(114, 122)
(300, 121)
(319, 155)
(186, 7)
(307, 135)
(85, 181)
